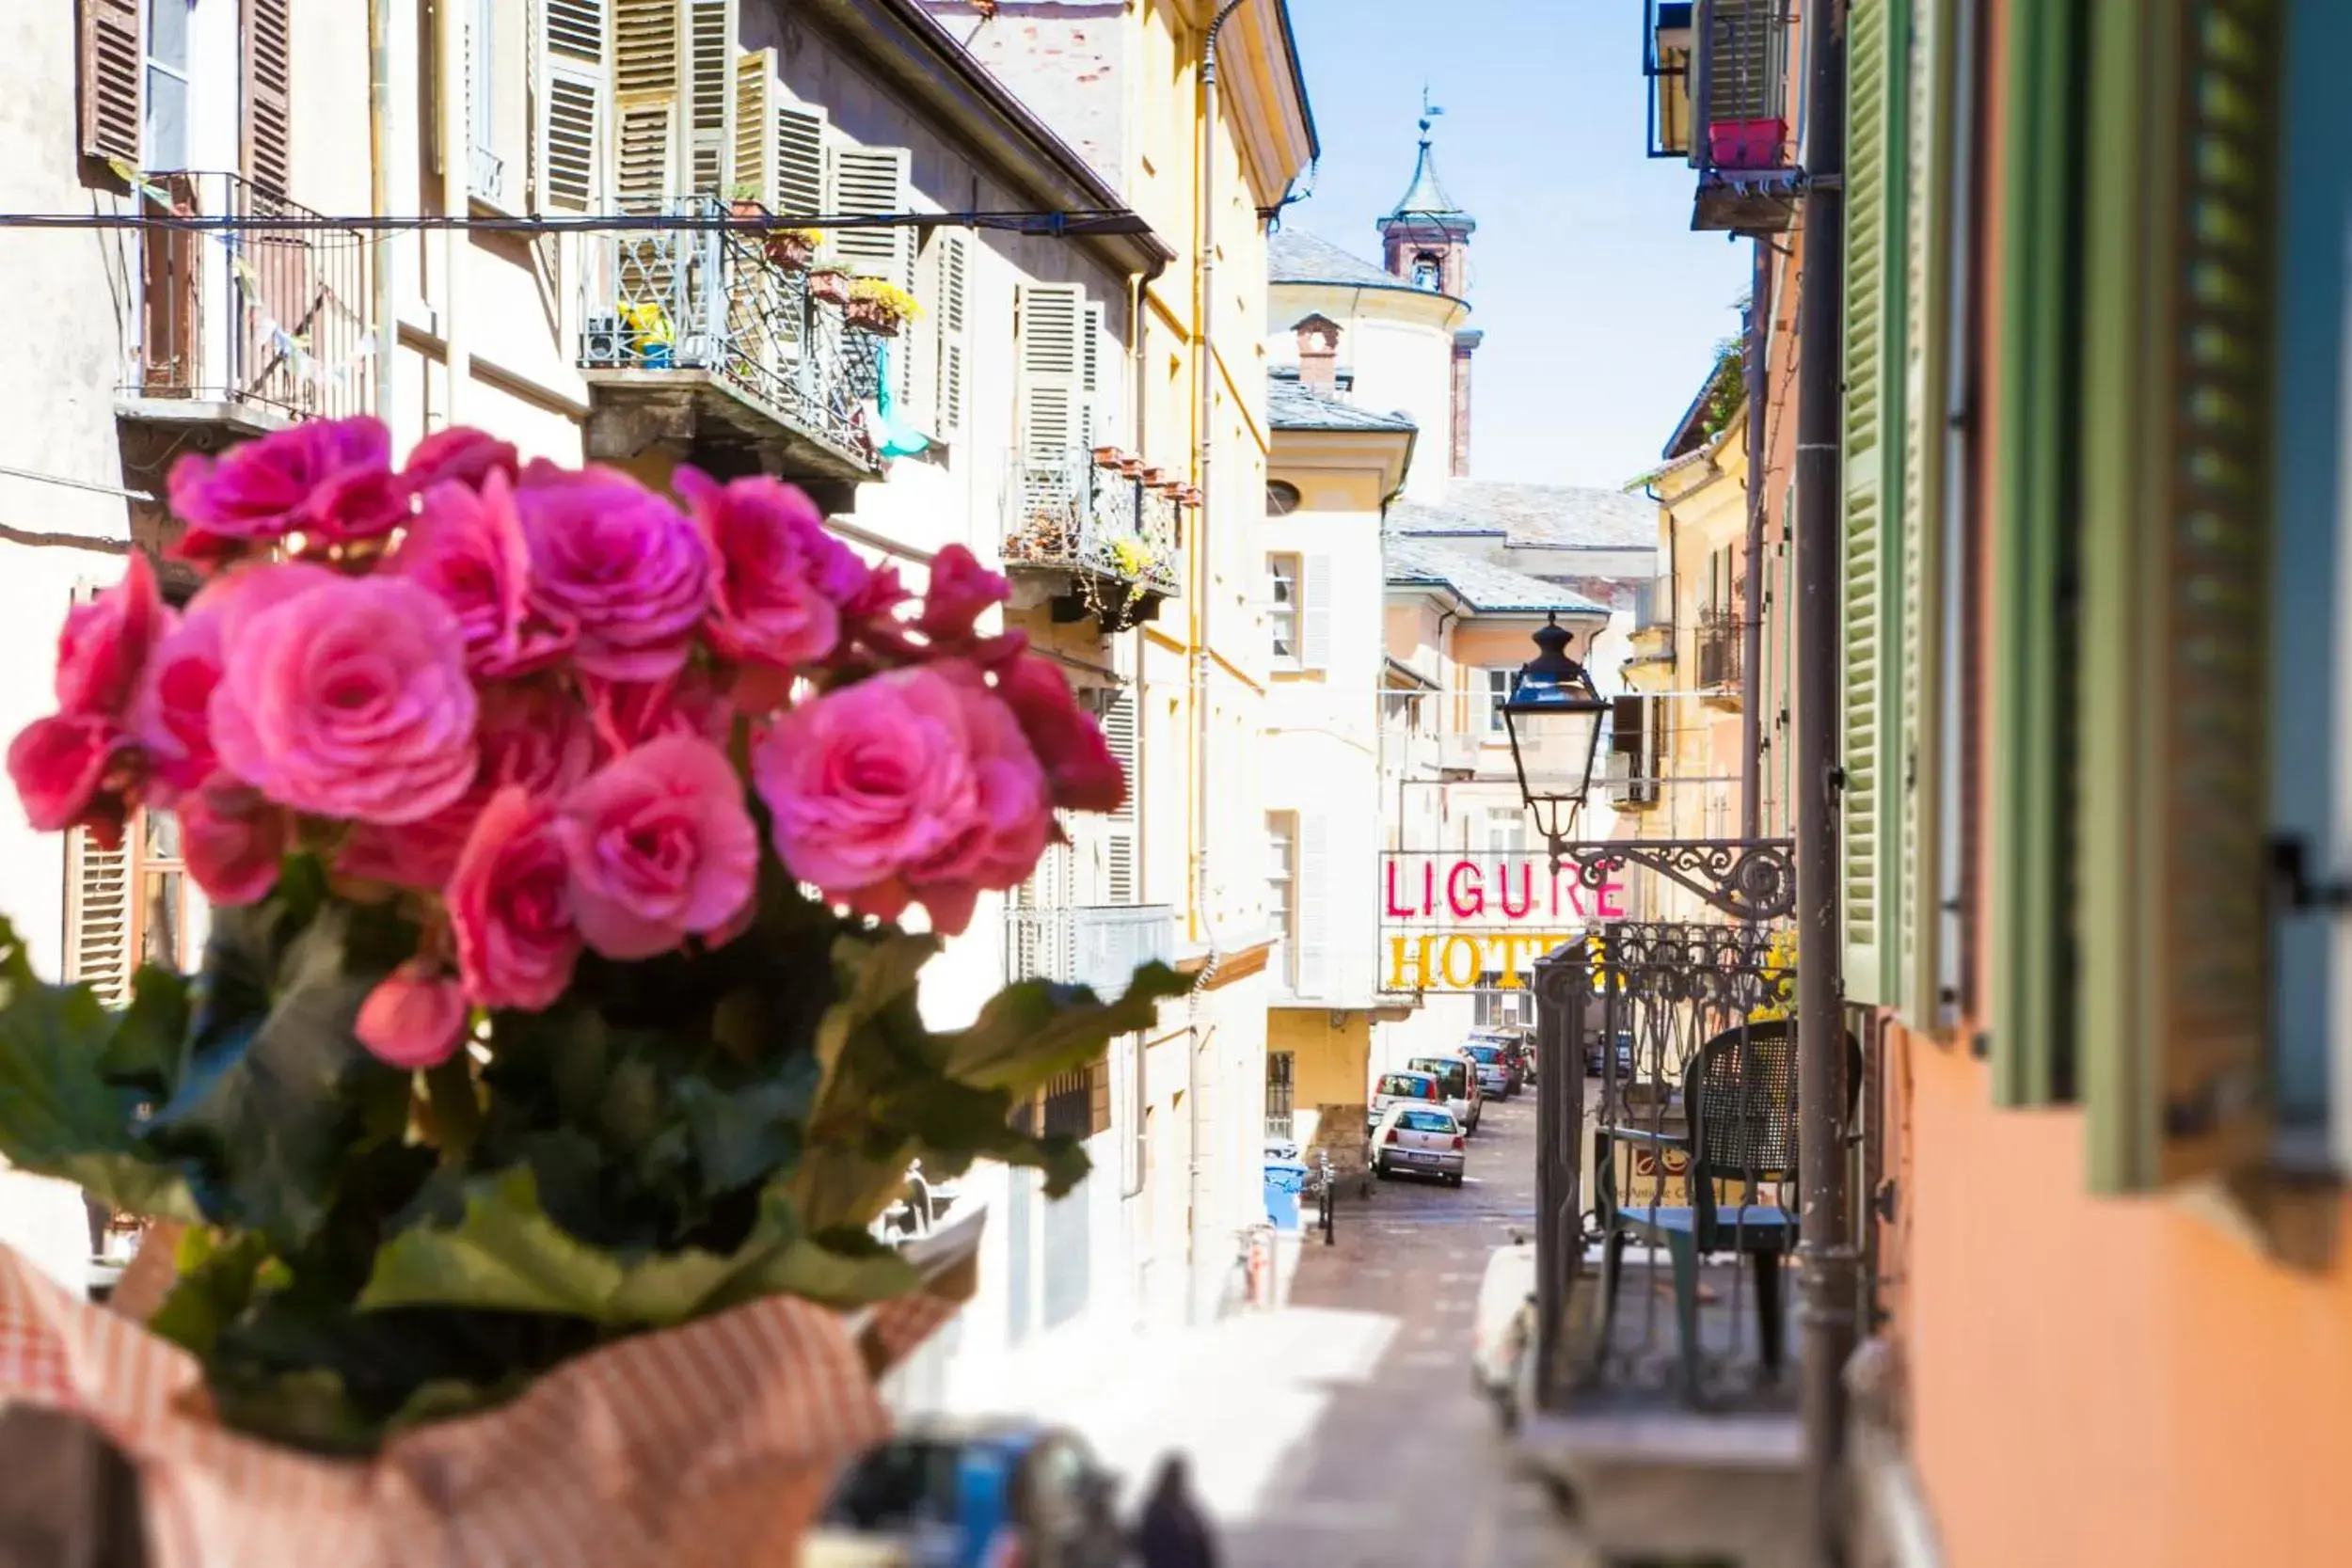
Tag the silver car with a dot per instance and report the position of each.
(1423, 1139)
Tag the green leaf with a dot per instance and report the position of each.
(1028, 1033)
(144, 1053)
(745, 1134)
(218, 1280)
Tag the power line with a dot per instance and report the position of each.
(1074, 223)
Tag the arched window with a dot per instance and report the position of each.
(1427, 271)
(1281, 499)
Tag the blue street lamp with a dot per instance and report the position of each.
(1553, 716)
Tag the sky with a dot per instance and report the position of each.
(1600, 308)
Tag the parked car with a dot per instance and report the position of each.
(1423, 1139)
(1594, 1062)
(972, 1494)
(1503, 1330)
(1496, 1075)
(1393, 1086)
(1457, 1086)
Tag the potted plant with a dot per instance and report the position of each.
(829, 285)
(528, 1092)
(878, 305)
(1130, 466)
(792, 249)
(746, 203)
(1106, 457)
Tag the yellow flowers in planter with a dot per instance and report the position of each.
(1780, 977)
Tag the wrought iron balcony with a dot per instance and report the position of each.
(1096, 945)
(1721, 636)
(1068, 511)
(247, 328)
(1719, 97)
(693, 337)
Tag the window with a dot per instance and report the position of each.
(1281, 1090)
(1281, 571)
(164, 133)
(486, 172)
(1427, 1121)
(130, 906)
(1282, 879)
(1427, 271)
(1281, 499)
(1506, 829)
(1494, 692)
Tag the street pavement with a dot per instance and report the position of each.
(1340, 1430)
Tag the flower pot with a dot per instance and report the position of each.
(1745, 143)
(870, 315)
(1156, 477)
(1129, 467)
(792, 252)
(746, 208)
(832, 288)
(1106, 457)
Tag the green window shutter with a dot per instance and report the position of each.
(2178, 374)
(1917, 786)
(2026, 917)
(1872, 494)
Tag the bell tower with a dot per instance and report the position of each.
(1425, 241)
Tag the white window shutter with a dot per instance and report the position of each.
(1091, 378)
(645, 95)
(1312, 893)
(1047, 394)
(756, 125)
(1314, 613)
(953, 347)
(571, 119)
(871, 182)
(1119, 848)
(710, 27)
(802, 136)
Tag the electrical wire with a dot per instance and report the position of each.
(1074, 223)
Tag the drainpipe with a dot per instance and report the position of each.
(1752, 599)
(383, 306)
(1826, 1273)
(457, 200)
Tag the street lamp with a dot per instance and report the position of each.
(1553, 716)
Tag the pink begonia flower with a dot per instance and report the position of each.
(619, 562)
(106, 642)
(510, 906)
(661, 846)
(1067, 741)
(916, 785)
(61, 766)
(415, 1017)
(459, 454)
(348, 700)
(332, 478)
(232, 840)
(531, 735)
(467, 547)
(168, 715)
(627, 713)
(961, 592)
(779, 576)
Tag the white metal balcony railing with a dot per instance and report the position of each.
(710, 300)
(274, 320)
(1063, 509)
(1096, 945)
(485, 176)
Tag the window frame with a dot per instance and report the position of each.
(1282, 880)
(1289, 610)
(150, 64)
(1490, 696)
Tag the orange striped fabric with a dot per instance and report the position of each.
(699, 1447)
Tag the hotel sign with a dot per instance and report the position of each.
(1452, 919)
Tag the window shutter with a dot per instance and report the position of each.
(710, 86)
(113, 57)
(801, 140)
(948, 324)
(1872, 477)
(871, 182)
(573, 55)
(1312, 893)
(646, 90)
(1314, 613)
(1120, 847)
(1919, 705)
(1048, 393)
(756, 125)
(1091, 342)
(98, 916)
(2179, 359)
(268, 130)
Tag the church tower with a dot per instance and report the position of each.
(1425, 241)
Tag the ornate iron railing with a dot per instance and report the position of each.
(1720, 636)
(1096, 945)
(1065, 510)
(275, 320)
(709, 299)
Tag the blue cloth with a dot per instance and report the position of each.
(1285, 1180)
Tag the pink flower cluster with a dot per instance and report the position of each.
(510, 694)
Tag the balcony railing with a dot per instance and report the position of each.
(251, 323)
(1630, 786)
(1096, 945)
(709, 301)
(1721, 635)
(1065, 511)
(1719, 96)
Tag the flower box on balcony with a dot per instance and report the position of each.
(1130, 467)
(829, 286)
(792, 249)
(1745, 143)
(1106, 457)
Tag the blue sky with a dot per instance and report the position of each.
(1600, 308)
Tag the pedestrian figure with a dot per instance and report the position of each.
(1172, 1533)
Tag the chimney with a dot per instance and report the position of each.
(1319, 356)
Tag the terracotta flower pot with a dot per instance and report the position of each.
(870, 315)
(1131, 467)
(832, 288)
(1106, 457)
(792, 252)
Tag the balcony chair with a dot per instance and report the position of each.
(1739, 1101)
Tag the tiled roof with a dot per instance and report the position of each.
(1294, 257)
(1533, 516)
(1291, 406)
(1482, 585)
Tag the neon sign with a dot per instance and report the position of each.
(1454, 921)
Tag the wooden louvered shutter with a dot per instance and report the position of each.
(645, 91)
(2179, 358)
(1314, 613)
(871, 182)
(1919, 662)
(953, 349)
(1312, 892)
(572, 56)
(268, 93)
(756, 125)
(802, 136)
(1120, 847)
(710, 88)
(98, 949)
(113, 75)
(1872, 483)
(1047, 394)
(1091, 381)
